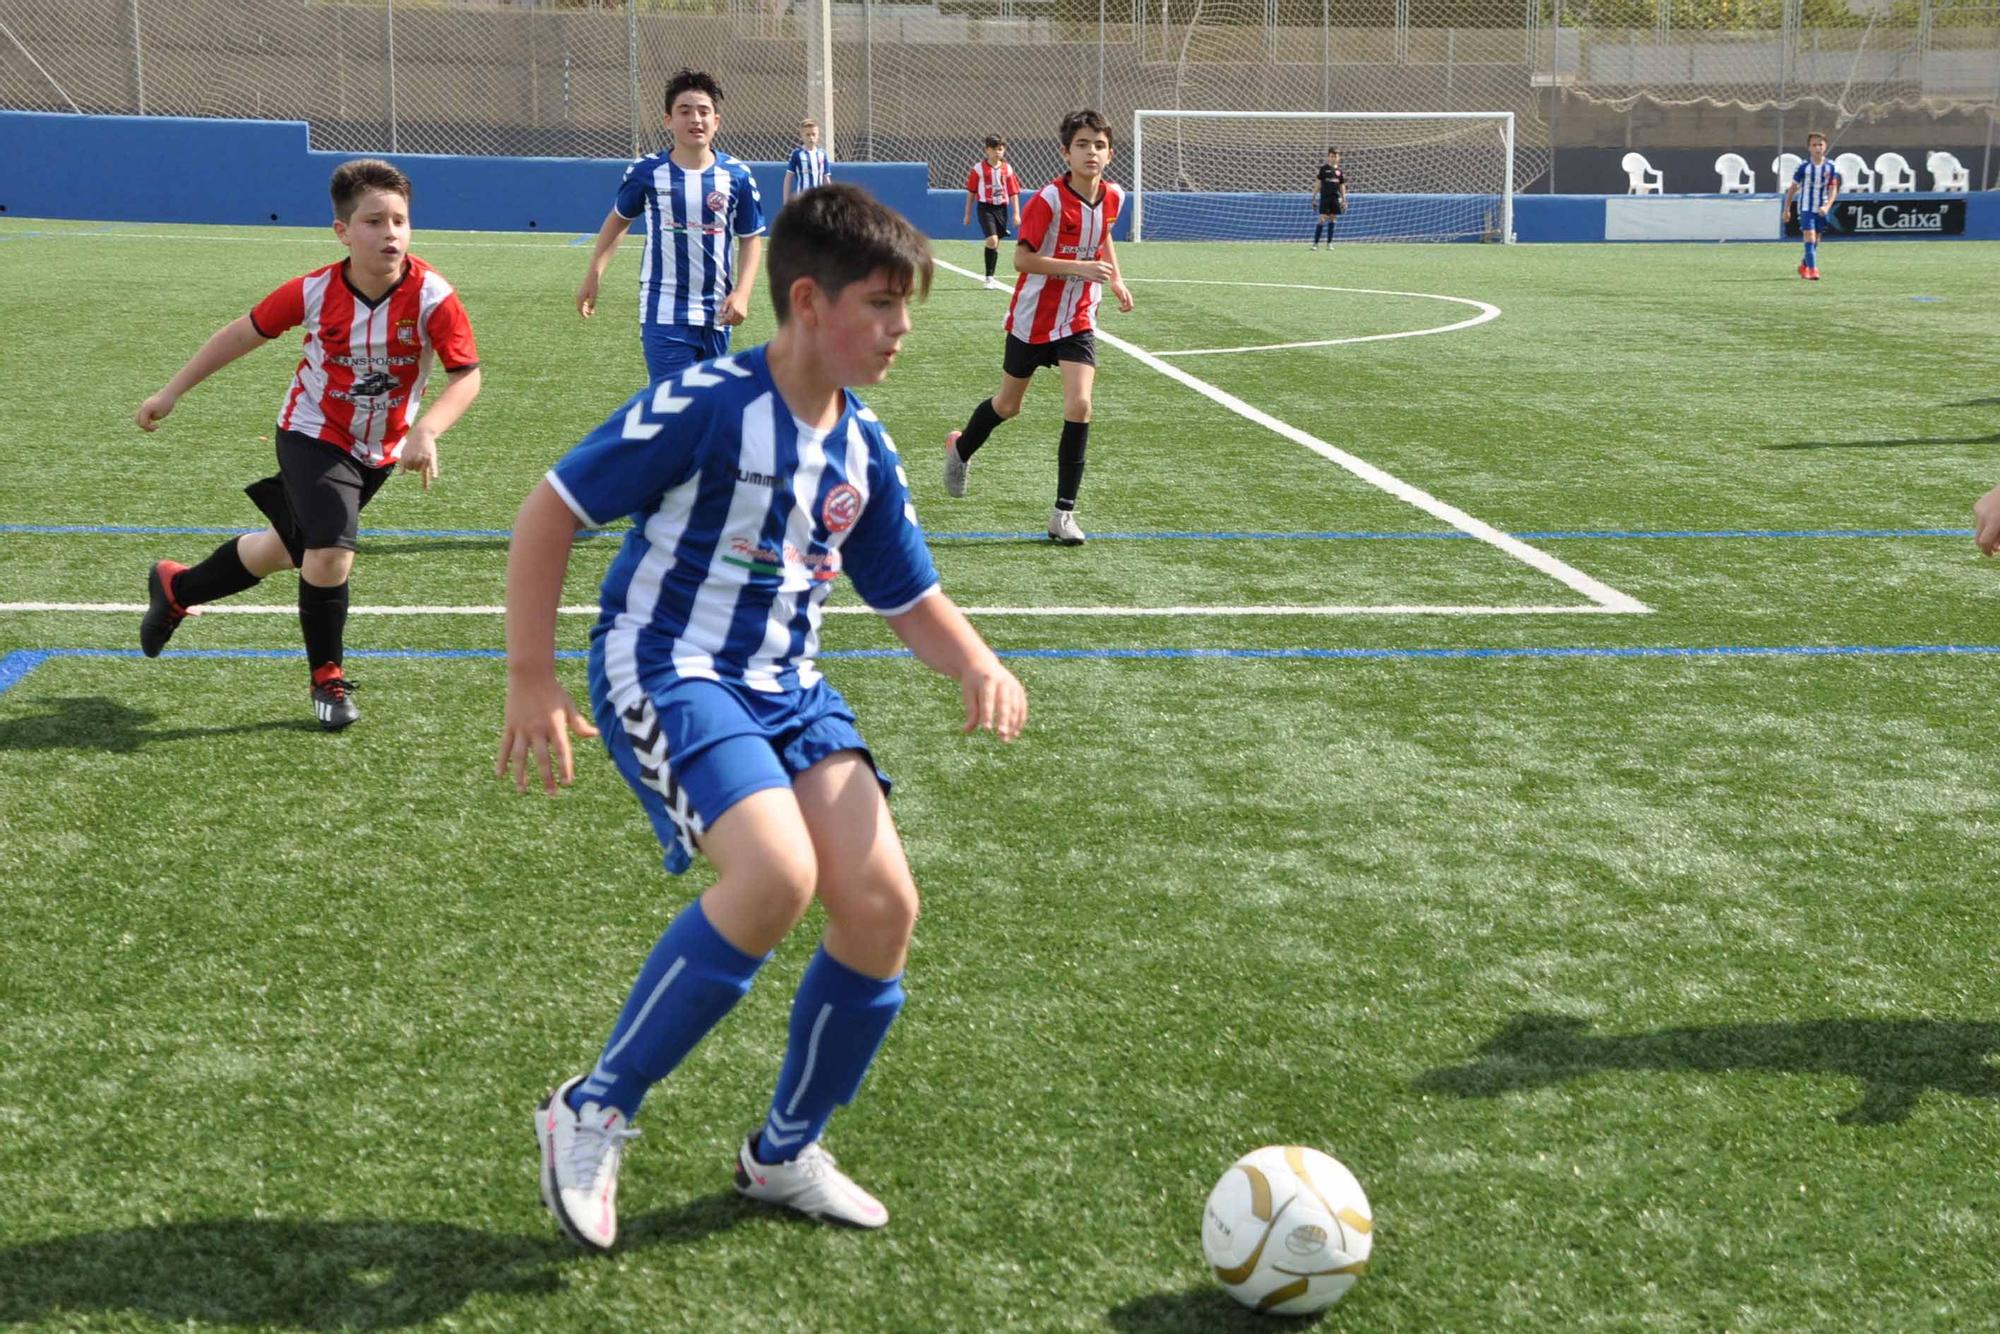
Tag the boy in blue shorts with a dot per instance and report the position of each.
(751, 481)
(696, 201)
(1815, 185)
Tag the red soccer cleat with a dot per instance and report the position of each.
(1804, 272)
(1813, 274)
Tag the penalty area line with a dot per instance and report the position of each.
(1604, 596)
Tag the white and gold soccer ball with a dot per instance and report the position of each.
(1287, 1230)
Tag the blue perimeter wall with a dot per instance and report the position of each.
(174, 169)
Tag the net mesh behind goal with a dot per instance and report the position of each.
(1253, 176)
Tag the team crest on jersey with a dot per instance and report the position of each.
(406, 331)
(842, 508)
(717, 201)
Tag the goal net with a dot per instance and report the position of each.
(1253, 176)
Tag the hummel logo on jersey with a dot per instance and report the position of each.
(756, 478)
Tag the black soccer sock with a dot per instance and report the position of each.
(984, 419)
(1317, 229)
(221, 575)
(1069, 463)
(992, 259)
(323, 619)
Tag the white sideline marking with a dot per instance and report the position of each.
(1486, 312)
(1604, 595)
(1404, 609)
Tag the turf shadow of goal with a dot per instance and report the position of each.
(308, 1275)
(1896, 1061)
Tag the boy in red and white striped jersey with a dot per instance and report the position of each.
(1064, 256)
(993, 186)
(374, 323)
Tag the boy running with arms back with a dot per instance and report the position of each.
(752, 482)
(1064, 256)
(374, 323)
(695, 201)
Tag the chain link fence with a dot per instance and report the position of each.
(926, 81)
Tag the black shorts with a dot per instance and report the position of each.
(316, 498)
(1022, 360)
(1331, 205)
(993, 220)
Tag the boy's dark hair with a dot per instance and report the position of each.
(1332, 151)
(995, 141)
(692, 80)
(1077, 121)
(838, 234)
(1815, 134)
(351, 180)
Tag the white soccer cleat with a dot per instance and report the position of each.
(955, 467)
(992, 284)
(811, 1183)
(1063, 528)
(580, 1155)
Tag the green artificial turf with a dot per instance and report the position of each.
(1640, 989)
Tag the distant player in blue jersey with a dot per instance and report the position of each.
(752, 482)
(1815, 185)
(696, 201)
(809, 165)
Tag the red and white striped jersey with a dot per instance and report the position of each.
(365, 362)
(1059, 223)
(992, 185)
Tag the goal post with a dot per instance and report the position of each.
(1252, 175)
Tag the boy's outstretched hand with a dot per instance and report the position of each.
(154, 411)
(994, 700)
(540, 717)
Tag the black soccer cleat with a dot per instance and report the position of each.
(163, 614)
(333, 698)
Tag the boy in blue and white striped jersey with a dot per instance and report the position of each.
(809, 165)
(751, 482)
(696, 202)
(1815, 185)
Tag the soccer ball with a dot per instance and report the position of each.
(1287, 1230)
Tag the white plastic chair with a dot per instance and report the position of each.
(1854, 173)
(1896, 176)
(1784, 165)
(1640, 175)
(1947, 172)
(1736, 175)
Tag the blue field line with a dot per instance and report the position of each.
(1162, 535)
(15, 666)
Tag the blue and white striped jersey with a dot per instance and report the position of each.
(808, 167)
(742, 517)
(692, 221)
(1815, 185)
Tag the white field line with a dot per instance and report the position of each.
(1486, 312)
(1604, 595)
(1405, 609)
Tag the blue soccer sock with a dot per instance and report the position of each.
(839, 1019)
(1812, 255)
(692, 978)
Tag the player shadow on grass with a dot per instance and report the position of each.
(1992, 439)
(1197, 1310)
(93, 722)
(310, 1275)
(1896, 1061)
